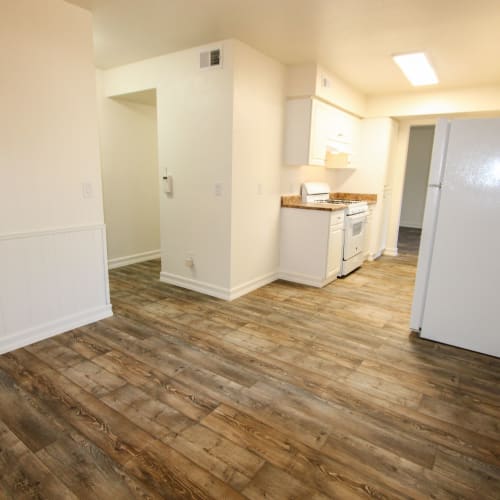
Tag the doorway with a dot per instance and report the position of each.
(131, 190)
(415, 188)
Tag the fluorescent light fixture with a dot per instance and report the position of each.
(417, 68)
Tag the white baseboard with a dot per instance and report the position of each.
(53, 328)
(374, 256)
(391, 252)
(195, 285)
(133, 259)
(250, 286)
(303, 279)
(217, 291)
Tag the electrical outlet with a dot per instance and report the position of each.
(189, 262)
(218, 189)
(87, 190)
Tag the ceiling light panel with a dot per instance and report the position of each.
(417, 68)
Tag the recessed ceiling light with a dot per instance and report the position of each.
(417, 68)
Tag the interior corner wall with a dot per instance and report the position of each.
(334, 90)
(131, 185)
(377, 136)
(195, 147)
(417, 172)
(397, 175)
(258, 116)
(52, 238)
(310, 79)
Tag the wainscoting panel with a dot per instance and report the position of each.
(51, 281)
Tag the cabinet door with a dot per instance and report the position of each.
(335, 244)
(368, 231)
(320, 124)
(298, 131)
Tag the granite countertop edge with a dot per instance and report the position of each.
(295, 201)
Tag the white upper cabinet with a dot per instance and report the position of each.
(304, 133)
(313, 129)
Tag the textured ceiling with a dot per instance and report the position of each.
(352, 38)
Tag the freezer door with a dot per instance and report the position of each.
(425, 257)
(462, 301)
(438, 159)
(439, 149)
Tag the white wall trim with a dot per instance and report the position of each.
(133, 259)
(303, 279)
(53, 328)
(50, 231)
(391, 252)
(195, 285)
(217, 291)
(250, 286)
(374, 255)
(105, 266)
(44, 266)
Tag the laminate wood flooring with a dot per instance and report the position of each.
(409, 240)
(288, 392)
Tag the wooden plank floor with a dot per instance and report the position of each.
(289, 392)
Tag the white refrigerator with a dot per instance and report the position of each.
(457, 289)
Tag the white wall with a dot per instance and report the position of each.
(258, 114)
(431, 103)
(417, 172)
(52, 246)
(293, 176)
(129, 155)
(195, 112)
(331, 88)
(314, 80)
(219, 127)
(195, 130)
(48, 133)
(371, 175)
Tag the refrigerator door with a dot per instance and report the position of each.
(462, 300)
(438, 159)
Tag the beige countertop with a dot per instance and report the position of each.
(295, 201)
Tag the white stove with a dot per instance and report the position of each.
(356, 213)
(319, 192)
(353, 207)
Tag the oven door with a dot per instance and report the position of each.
(355, 227)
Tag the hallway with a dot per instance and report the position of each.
(409, 240)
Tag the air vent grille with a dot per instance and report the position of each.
(211, 59)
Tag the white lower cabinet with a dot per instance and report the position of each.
(335, 245)
(368, 230)
(311, 245)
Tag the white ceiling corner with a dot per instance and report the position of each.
(354, 39)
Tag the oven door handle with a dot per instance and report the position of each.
(354, 219)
